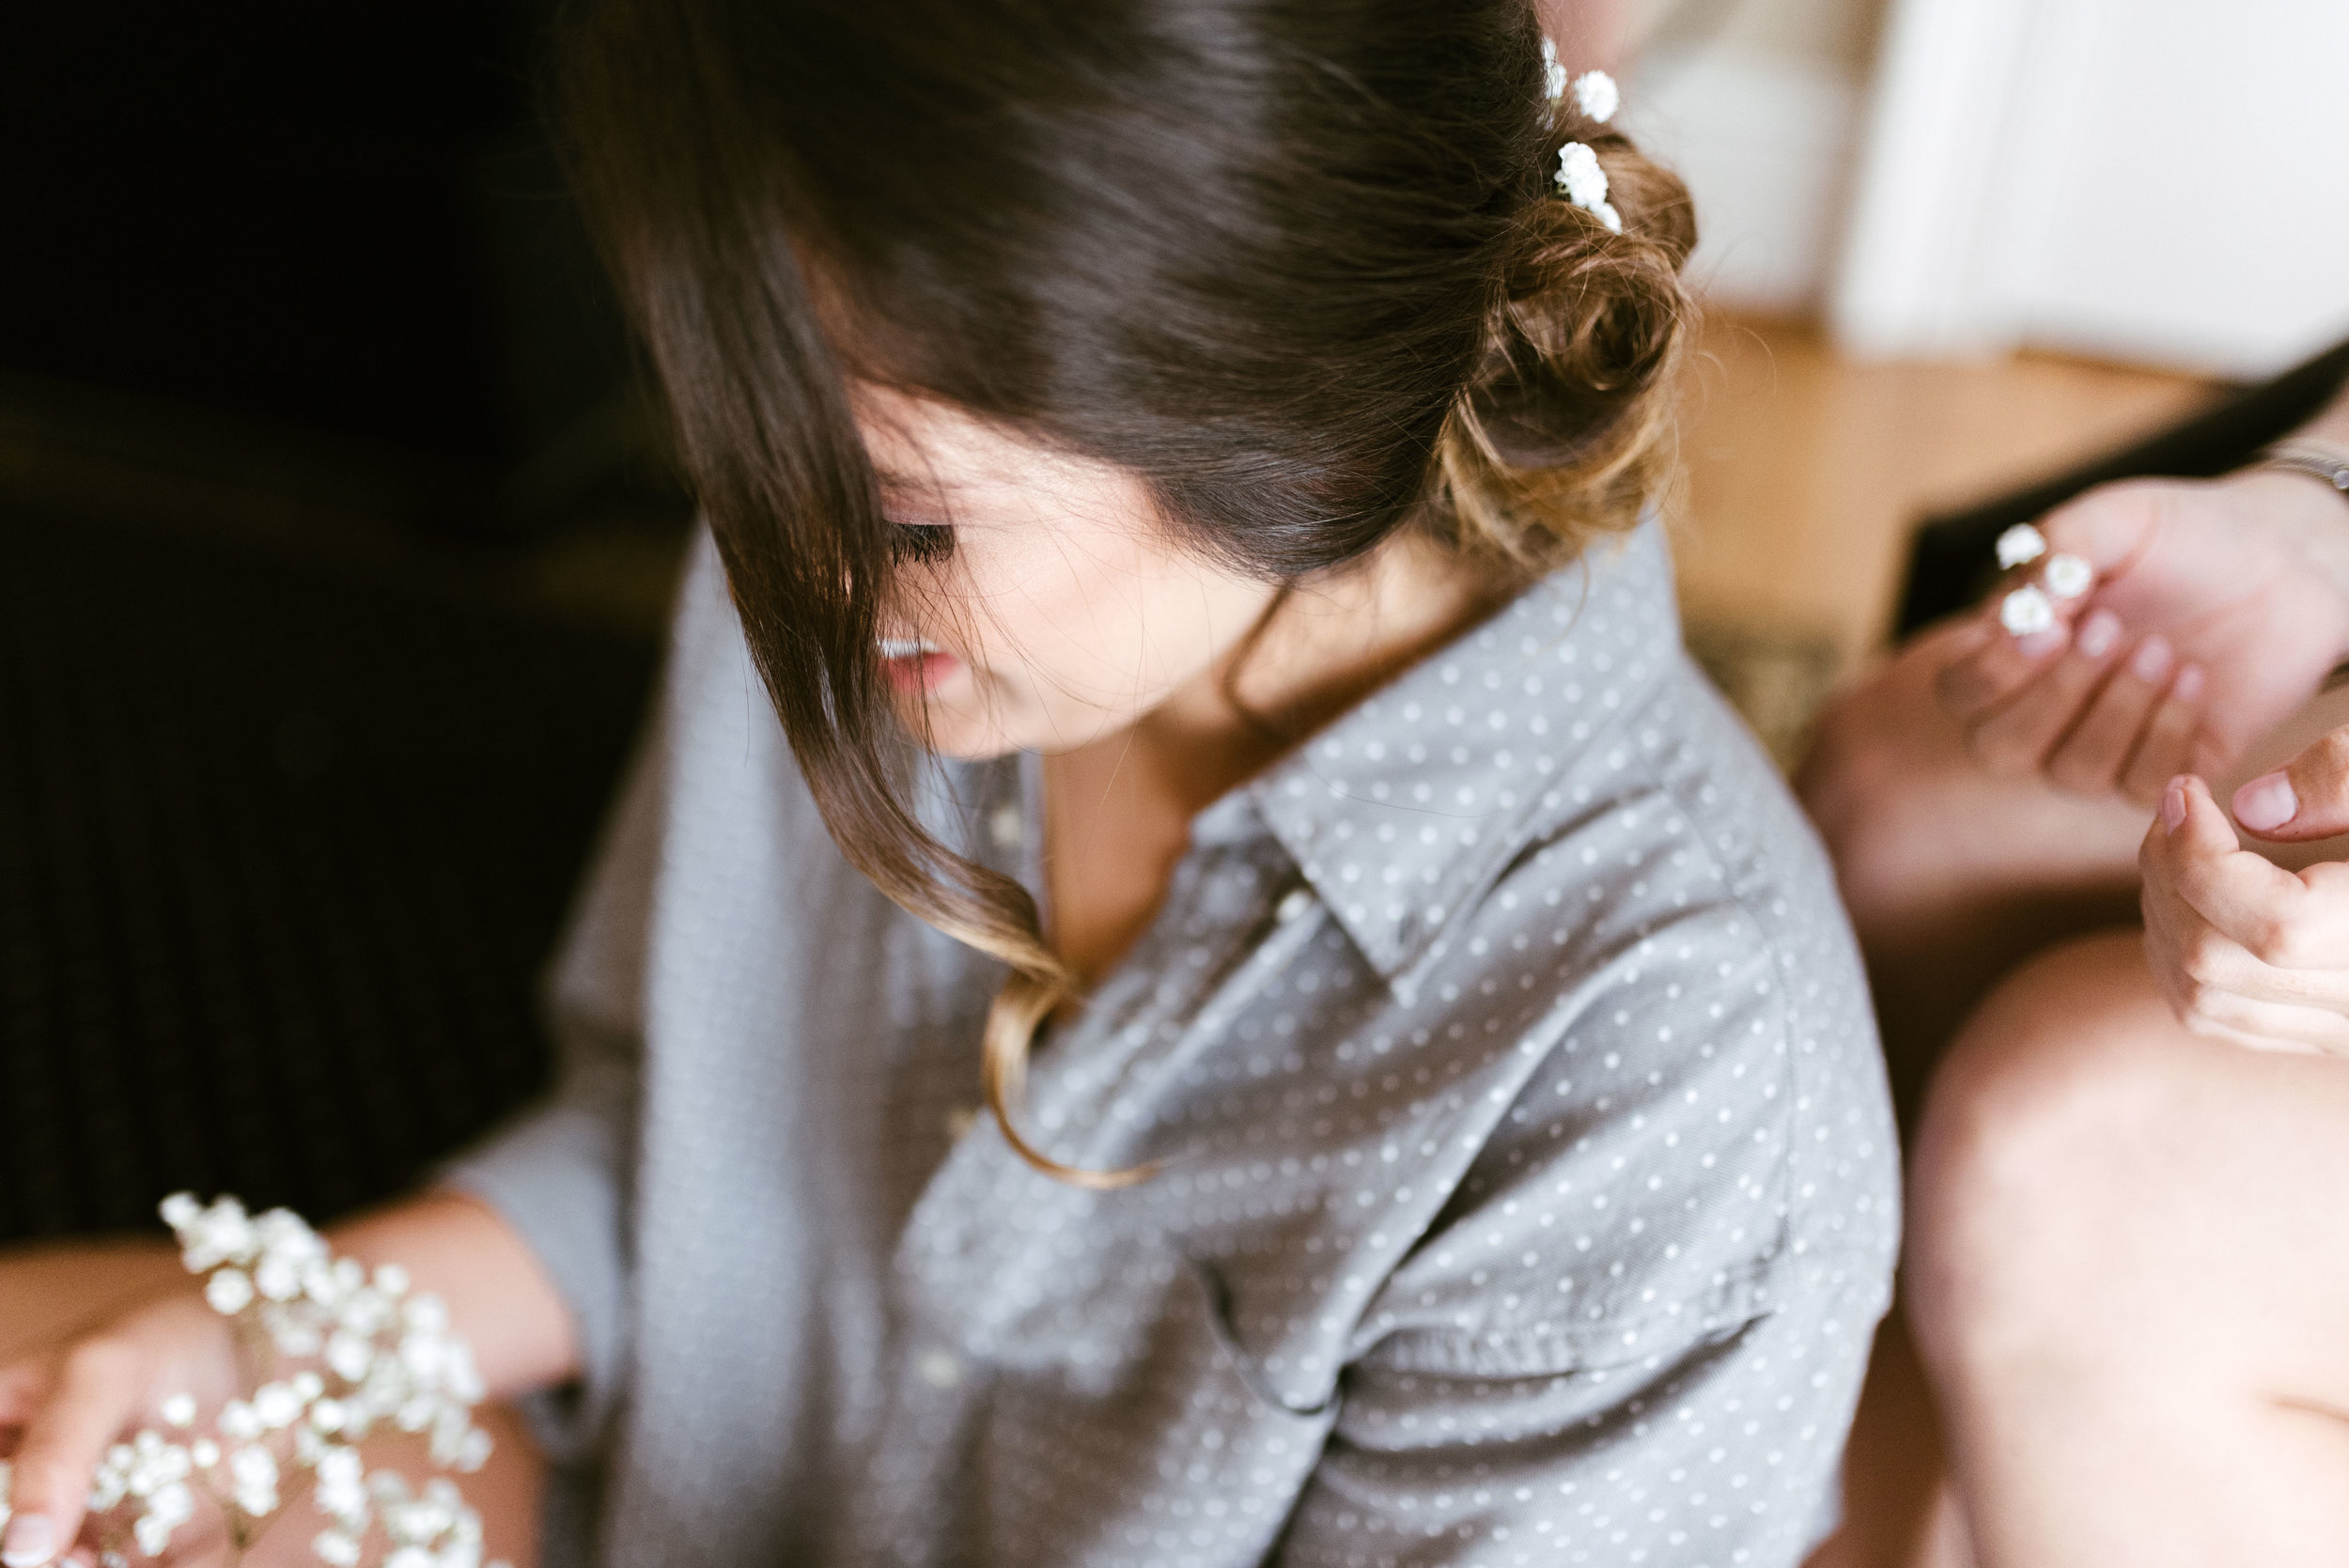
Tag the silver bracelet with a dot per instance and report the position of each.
(2328, 463)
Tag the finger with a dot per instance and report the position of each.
(2307, 797)
(23, 1385)
(2247, 1018)
(2164, 749)
(2210, 1030)
(2091, 757)
(2247, 899)
(2016, 739)
(2201, 958)
(2107, 527)
(1996, 666)
(97, 1388)
(2180, 946)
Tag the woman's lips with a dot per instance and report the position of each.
(916, 663)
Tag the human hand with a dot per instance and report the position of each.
(69, 1404)
(2242, 949)
(2218, 607)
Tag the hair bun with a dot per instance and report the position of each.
(1562, 432)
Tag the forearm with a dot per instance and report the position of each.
(499, 1297)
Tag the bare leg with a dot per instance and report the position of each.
(48, 1292)
(2129, 1278)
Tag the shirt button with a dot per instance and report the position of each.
(940, 1369)
(1005, 827)
(1295, 903)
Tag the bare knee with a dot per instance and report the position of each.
(2049, 1137)
(1867, 783)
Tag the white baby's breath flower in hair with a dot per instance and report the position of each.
(2068, 576)
(1580, 175)
(1554, 74)
(2026, 611)
(1585, 183)
(2019, 546)
(1596, 95)
(180, 1410)
(8, 1485)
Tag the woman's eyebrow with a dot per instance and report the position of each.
(913, 486)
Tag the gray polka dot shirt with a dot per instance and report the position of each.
(1527, 1187)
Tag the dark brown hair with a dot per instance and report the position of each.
(1296, 264)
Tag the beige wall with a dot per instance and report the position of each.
(1757, 103)
(1839, 34)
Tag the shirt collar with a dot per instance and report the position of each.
(1407, 807)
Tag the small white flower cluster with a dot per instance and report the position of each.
(383, 1357)
(1594, 91)
(1579, 174)
(1585, 184)
(2031, 608)
(1596, 95)
(2019, 546)
(1553, 72)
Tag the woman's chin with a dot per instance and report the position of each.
(952, 723)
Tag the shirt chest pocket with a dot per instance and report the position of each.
(1129, 1422)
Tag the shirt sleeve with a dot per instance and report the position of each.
(562, 1172)
(559, 1172)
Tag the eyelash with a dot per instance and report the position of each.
(923, 543)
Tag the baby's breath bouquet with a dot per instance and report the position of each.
(336, 1355)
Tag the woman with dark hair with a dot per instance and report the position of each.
(1182, 471)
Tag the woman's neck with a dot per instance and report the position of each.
(1118, 810)
(1323, 648)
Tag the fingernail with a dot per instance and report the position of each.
(2173, 804)
(31, 1540)
(2152, 660)
(2188, 685)
(2099, 632)
(2038, 645)
(2265, 802)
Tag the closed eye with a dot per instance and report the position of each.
(925, 543)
